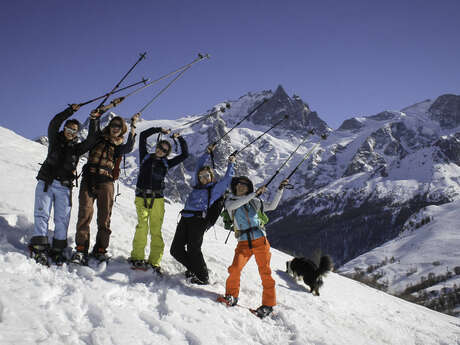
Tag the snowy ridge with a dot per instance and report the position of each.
(428, 247)
(115, 305)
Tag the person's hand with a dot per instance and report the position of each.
(117, 101)
(231, 159)
(165, 131)
(261, 190)
(95, 113)
(135, 118)
(75, 107)
(176, 135)
(210, 148)
(283, 184)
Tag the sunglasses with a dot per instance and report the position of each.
(161, 148)
(243, 183)
(115, 126)
(205, 175)
(70, 130)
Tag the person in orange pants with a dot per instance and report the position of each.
(246, 209)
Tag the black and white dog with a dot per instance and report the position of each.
(311, 273)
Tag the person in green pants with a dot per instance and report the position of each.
(150, 199)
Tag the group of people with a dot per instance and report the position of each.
(58, 173)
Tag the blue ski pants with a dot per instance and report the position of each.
(59, 196)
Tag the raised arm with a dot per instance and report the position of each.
(232, 204)
(183, 155)
(56, 122)
(91, 139)
(220, 187)
(199, 165)
(270, 206)
(126, 147)
(143, 140)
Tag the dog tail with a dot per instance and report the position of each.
(325, 265)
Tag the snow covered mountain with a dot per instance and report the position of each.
(114, 305)
(359, 188)
(369, 177)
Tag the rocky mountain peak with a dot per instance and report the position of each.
(446, 111)
(301, 118)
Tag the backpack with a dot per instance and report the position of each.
(228, 221)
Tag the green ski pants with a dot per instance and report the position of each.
(149, 219)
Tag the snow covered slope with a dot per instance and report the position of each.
(114, 305)
(424, 259)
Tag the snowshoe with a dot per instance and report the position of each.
(100, 255)
(157, 270)
(58, 257)
(40, 258)
(195, 280)
(39, 253)
(80, 258)
(138, 265)
(262, 311)
(229, 300)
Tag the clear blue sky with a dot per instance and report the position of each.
(344, 58)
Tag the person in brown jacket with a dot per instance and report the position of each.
(97, 184)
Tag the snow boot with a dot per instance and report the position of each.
(80, 258)
(157, 270)
(39, 249)
(188, 274)
(100, 255)
(139, 265)
(195, 280)
(57, 252)
(58, 257)
(229, 300)
(263, 311)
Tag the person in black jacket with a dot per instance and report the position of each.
(55, 182)
(149, 197)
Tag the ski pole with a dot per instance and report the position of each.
(311, 132)
(244, 118)
(260, 136)
(116, 91)
(204, 117)
(163, 90)
(199, 58)
(141, 57)
(290, 186)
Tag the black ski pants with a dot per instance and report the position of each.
(186, 246)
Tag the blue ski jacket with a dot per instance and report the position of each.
(198, 198)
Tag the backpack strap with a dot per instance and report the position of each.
(250, 229)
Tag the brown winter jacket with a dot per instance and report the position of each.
(102, 157)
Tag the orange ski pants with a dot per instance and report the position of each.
(261, 251)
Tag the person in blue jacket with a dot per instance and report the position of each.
(186, 245)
